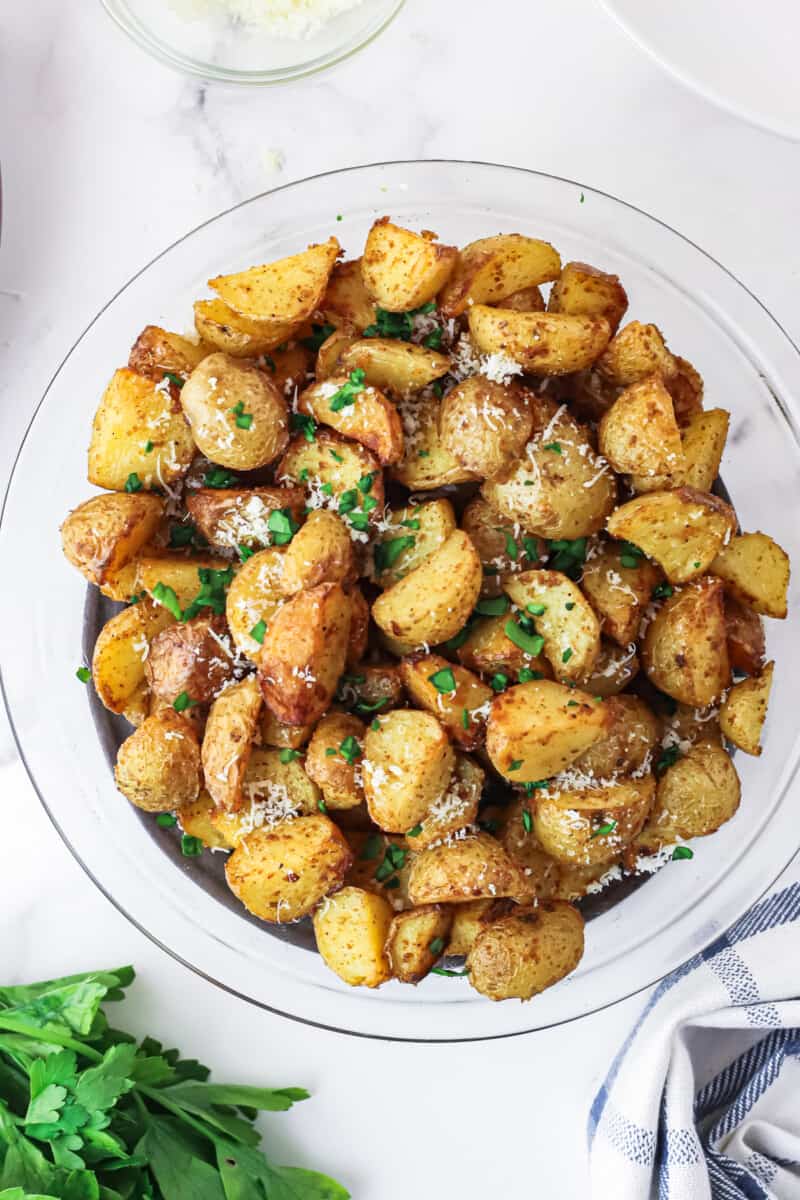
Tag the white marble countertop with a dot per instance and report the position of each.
(106, 158)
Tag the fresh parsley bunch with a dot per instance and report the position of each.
(87, 1113)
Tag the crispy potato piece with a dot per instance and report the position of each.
(518, 837)
(334, 463)
(281, 874)
(408, 765)
(434, 600)
(320, 552)
(488, 648)
(614, 668)
(332, 759)
(686, 389)
(471, 868)
(416, 940)
(177, 571)
(156, 352)
(283, 292)
(462, 710)
(629, 744)
(574, 881)
(422, 528)
(567, 628)
(525, 300)
(685, 650)
(500, 547)
(118, 660)
(273, 791)
(371, 688)
(683, 530)
(393, 366)
(590, 825)
(492, 268)
(744, 630)
(228, 741)
(239, 336)
(382, 864)
(426, 464)
(756, 572)
(195, 819)
(372, 420)
(543, 343)
(238, 416)
(485, 425)
(233, 517)
(560, 488)
(537, 729)
(352, 928)
(468, 920)
(191, 657)
(285, 737)
(289, 365)
(639, 434)
(346, 302)
(135, 413)
(456, 810)
(358, 638)
(634, 353)
(582, 290)
(331, 351)
(619, 594)
(403, 270)
(102, 537)
(703, 438)
(158, 766)
(522, 954)
(694, 798)
(255, 595)
(742, 715)
(303, 653)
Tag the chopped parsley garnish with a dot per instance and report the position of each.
(412, 523)
(530, 643)
(628, 561)
(554, 446)
(531, 548)
(448, 973)
(533, 786)
(175, 380)
(258, 631)
(287, 756)
(458, 639)
(396, 325)
(331, 751)
(387, 553)
(526, 675)
(282, 526)
(414, 832)
(166, 820)
(319, 333)
(322, 806)
(499, 682)
(438, 389)
(444, 680)
(302, 423)
(567, 655)
(495, 606)
(662, 591)
(668, 759)
(572, 704)
(302, 476)
(348, 501)
(372, 846)
(630, 555)
(567, 556)
(213, 585)
(182, 702)
(436, 946)
(582, 198)
(218, 477)
(465, 718)
(569, 605)
(364, 484)
(336, 457)
(527, 821)
(133, 483)
(393, 860)
(165, 596)
(135, 598)
(181, 535)
(682, 852)
(350, 750)
(515, 764)
(536, 610)
(83, 674)
(604, 830)
(697, 564)
(434, 339)
(243, 420)
(148, 447)
(327, 489)
(512, 550)
(424, 454)
(375, 725)
(348, 392)
(245, 552)
(363, 707)
(191, 847)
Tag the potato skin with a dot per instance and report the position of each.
(744, 711)
(756, 572)
(156, 351)
(635, 352)
(196, 819)
(518, 838)
(541, 727)
(632, 738)
(488, 649)
(455, 710)
(228, 741)
(316, 464)
(411, 934)
(619, 594)
(744, 630)
(432, 522)
(396, 367)
(281, 874)
(522, 954)
(683, 530)
(639, 433)
(346, 302)
(337, 777)
(543, 343)
(494, 268)
(187, 657)
(403, 270)
(211, 399)
(685, 650)
(568, 625)
(471, 868)
(694, 797)
(351, 928)
(320, 552)
(433, 602)
(426, 464)
(103, 535)
(158, 766)
(233, 517)
(457, 808)
(119, 656)
(286, 291)
(583, 290)
(485, 425)
(408, 763)
(234, 334)
(372, 420)
(255, 594)
(500, 548)
(273, 792)
(567, 823)
(614, 668)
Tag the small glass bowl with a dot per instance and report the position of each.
(229, 50)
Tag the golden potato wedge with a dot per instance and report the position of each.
(334, 759)
(283, 292)
(120, 653)
(190, 657)
(433, 601)
(518, 837)
(488, 648)
(591, 825)
(238, 417)
(241, 337)
(456, 810)
(744, 710)
(179, 573)
(493, 268)
(158, 766)
(102, 537)
(686, 389)
(744, 630)
(582, 290)
(303, 653)
(500, 545)
(485, 425)
(196, 820)
(628, 746)
(639, 434)
(416, 939)
(331, 469)
(471, 868)
(543, 343)
(537, 729)
(694, 798)
(412, 534)
(634, 353)
(704, 436)
(320, 552)
(525, 300)
(281, 874)
(756, 572)
(346, 302)
(619, 592)
(232, 517)
(273, 791)
(468, 920)
(403, 270)
(426, 464)
(285, 737)
(566, 628)
(685, 649)
(521, 954)
(394, 366)
(254, 596)
(683, 530)
(228, 741)
(614, 668)
(456, 697)
(371, 688)
(364, 415)
(157, 352)
(331, 351)
(140, 437)
(407, 768)
(351, 928)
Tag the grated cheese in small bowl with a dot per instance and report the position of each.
(293, 19)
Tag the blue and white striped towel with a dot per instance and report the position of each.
(703, 1100)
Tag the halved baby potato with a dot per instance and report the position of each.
(566, 627)
(254, 596)
(222, 328)
(456, 697)
(582, 290)
(394, 366)
(639, 434)
(685, 647)
(619, 592)
(416, 939)
(471, 868)
(158, 766)
(456, 810)
(232, 517)
(346, 303)
(120, 654)
(433, 601)
(366, 416)
(537, 729)
(744, 710)
(190, 657)
(330, 466)
(426, 462)
(320, 552)
(408, 764)
(493, 268)
(756, 572)
(745, 636)
(334, 759)
(237, 415)
(157, 352)
(485, 425)
(543, 343)
(591, 825)
(412, 534)
(614, 668)
(404, 270)
(695, 796)
(520, 954)
(635, 352)
(228, 741)
(283, 292)
(180, 573)
(352, 928)
(682, 530)
(103, 536)
(488, 648)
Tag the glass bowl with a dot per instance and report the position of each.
(750, 367)
(214, 46)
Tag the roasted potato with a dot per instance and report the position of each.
(488, 648)
(566, 628)
(352, 928)
(433, 601)
(402, 270)
(331, 469)
(518, 837)
(238, 417)
(525, 300)
(400, 368)
(744, 710)
(629, 744)
(500, 545)
(157, 353)
(285, 737)
(346, 301)
(254, 596)
(456, 810)
(703, 438)
(685, 649)
(303, 653)
(382, 864)
(542, 343)
(140, 437)
(755, 571)
(228, 741)
(371, 688)
(196, 820)
(191, 658)
(320, 552)
(334, 759)
(158, 766)
(232, 517)
(281, 293)
(273, 791)
(364, 415)
(590, 825)
(416, 939)
(634, 353)
(331, 351)
(685, 726)
(537, 729)
(485, 425)
(744, 631)
(120, 654)
(683, 530)
(426, 463)
(694, 797)
(619, 591)
(581, 290)
(493, 268)
(639, 434)
(468, 920)
(614, 668)
(103, 536)
(413, 534)
(407, 768)
(470, 868)
(458, 699)
(178, 573)
(521, 954)
(281, 874)
(234, 334)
